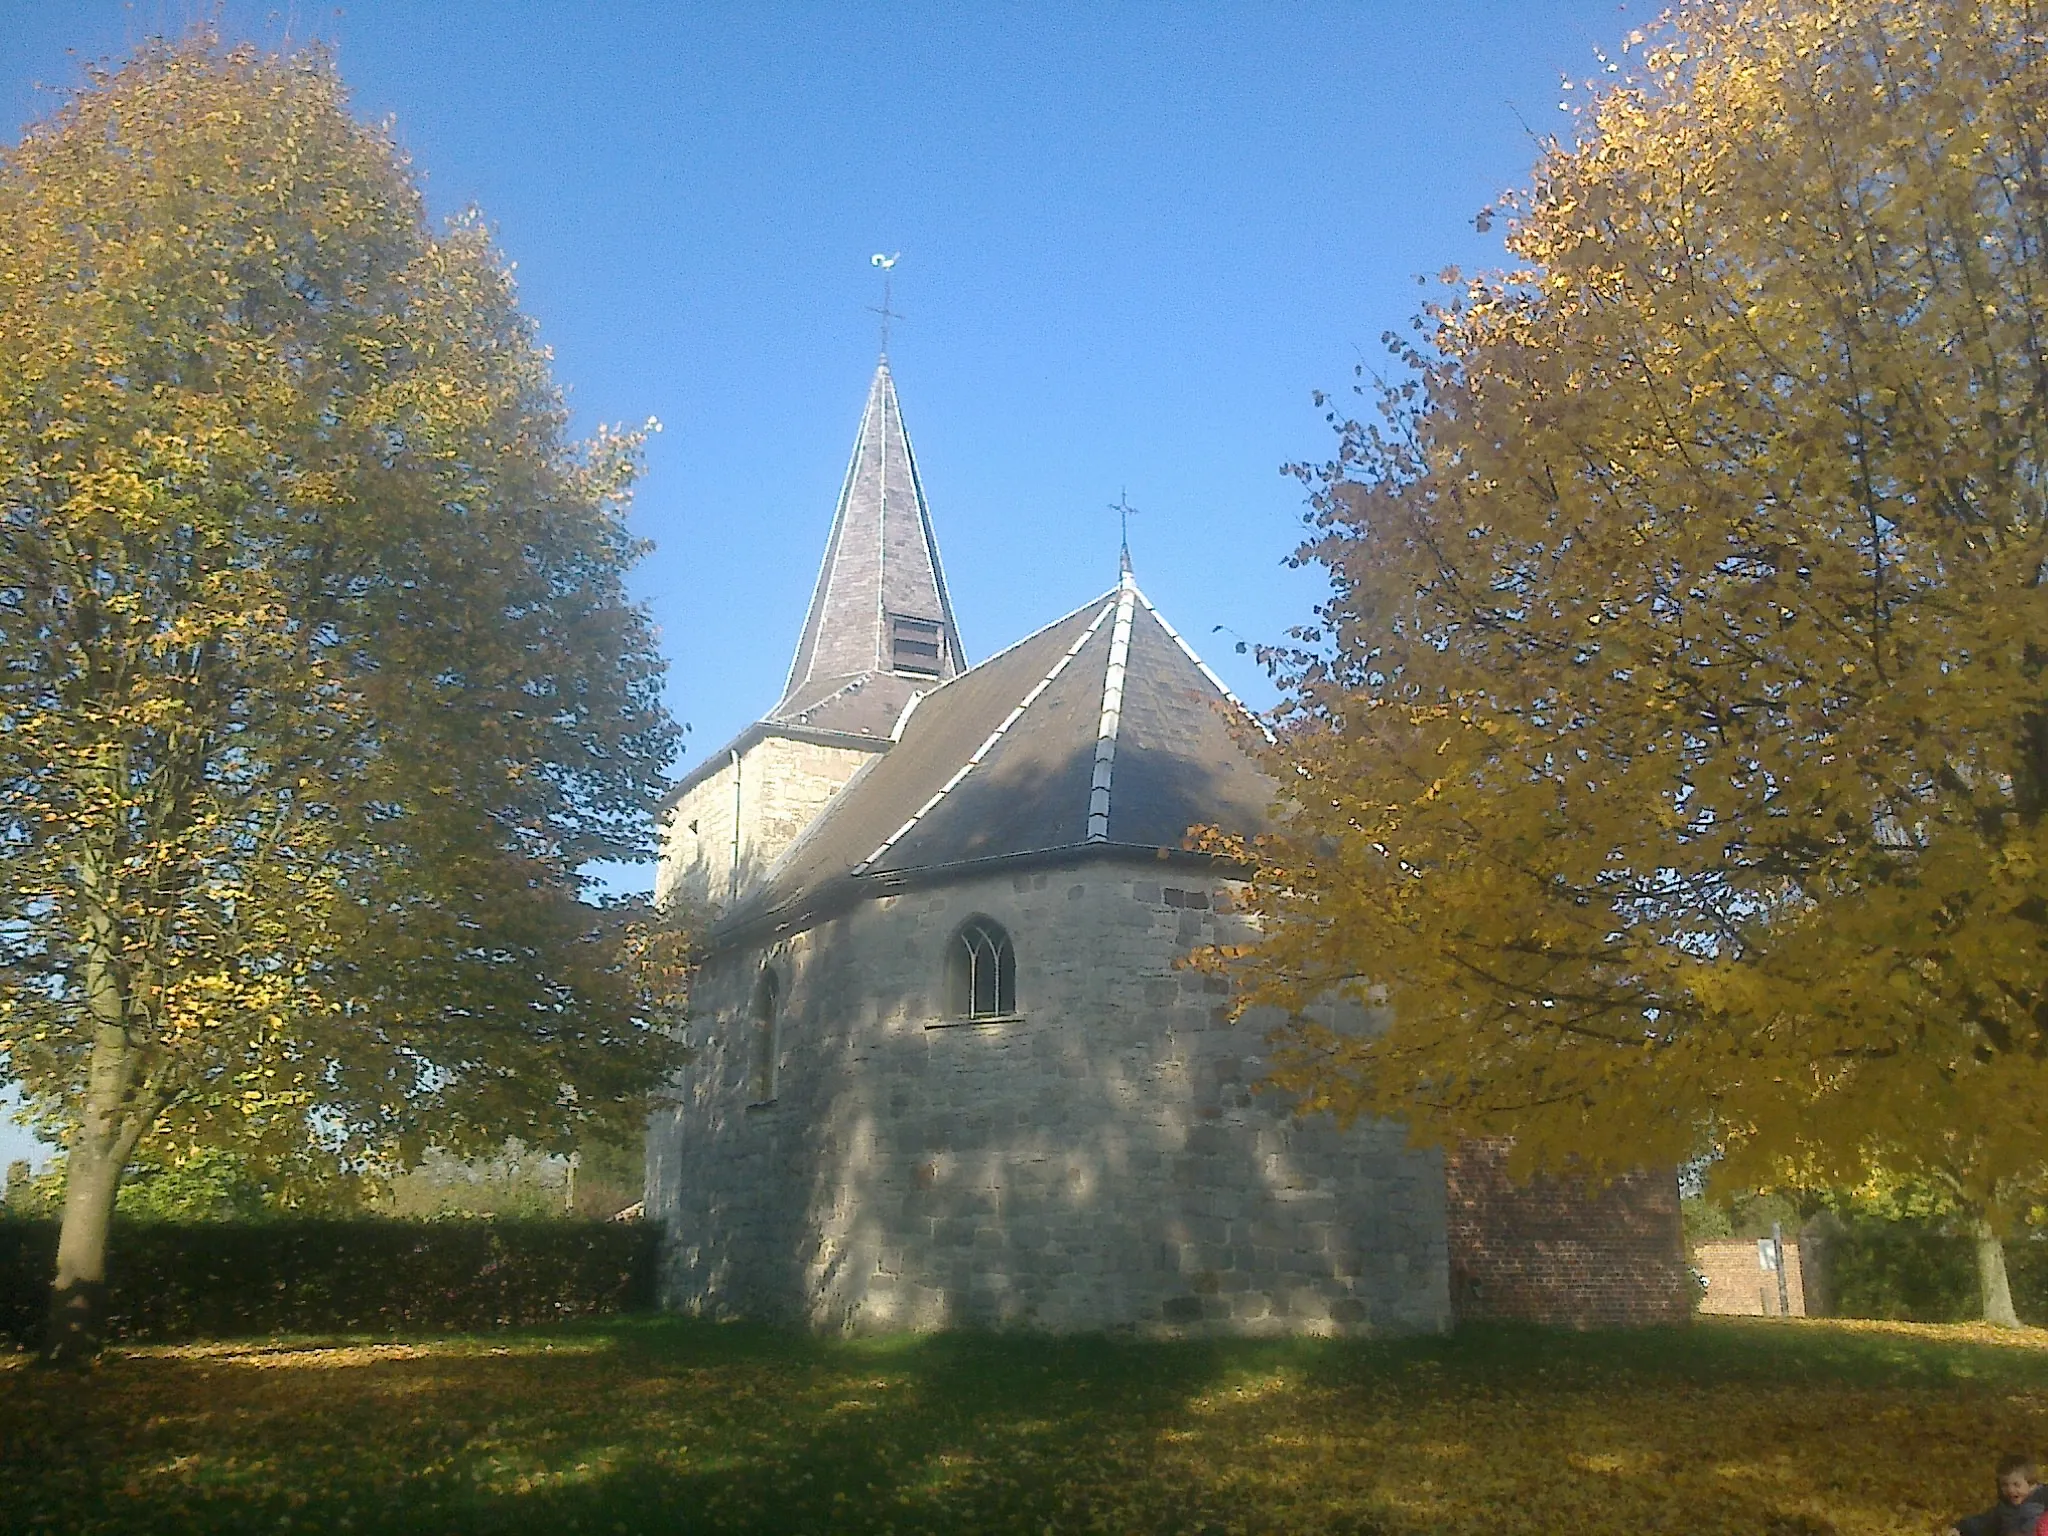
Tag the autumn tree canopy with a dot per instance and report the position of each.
(1675, 750)
(318, 681)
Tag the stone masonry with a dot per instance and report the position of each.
(847, 1153)
(1096, 1161)
(776, 789)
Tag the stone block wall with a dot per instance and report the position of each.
(776, 790)
(1560, 1252)
(1097, 1161)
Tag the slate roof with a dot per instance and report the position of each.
(881, 564)
(1102, 731)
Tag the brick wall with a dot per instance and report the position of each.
(1556, 1251)
(1739, 1286)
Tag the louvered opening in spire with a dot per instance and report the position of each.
(880, 624)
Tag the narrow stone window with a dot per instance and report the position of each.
(914, 646)
(762, 1044)
(981, 971)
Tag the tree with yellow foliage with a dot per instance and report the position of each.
(318, 682)
(1674, 752)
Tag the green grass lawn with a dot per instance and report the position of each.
(668, 1425)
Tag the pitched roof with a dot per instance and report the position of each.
(1102, 730)
(880, 624)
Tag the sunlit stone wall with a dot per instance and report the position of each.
(1096, 1162)
(775, 790)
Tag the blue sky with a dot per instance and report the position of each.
(1135, 239)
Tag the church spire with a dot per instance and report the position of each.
(880, 624)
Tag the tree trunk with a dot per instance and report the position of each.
(1991, 1280)
(112, 1120)
(92, 1174)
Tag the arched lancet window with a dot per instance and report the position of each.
(981, 971)
(762, 1044)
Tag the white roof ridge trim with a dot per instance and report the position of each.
(949, 625)
(909, 709)
(887, 409)
(1112, 712)
(802, 716)
(821, 585)
(994, 736)
(1078, 608)
(1215, 682)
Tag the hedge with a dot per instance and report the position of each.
(222, 1279)
(1918, 1272)
(175, 1280)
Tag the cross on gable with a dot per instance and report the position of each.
(1123, 509)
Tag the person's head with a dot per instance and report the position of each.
(2015, 1477)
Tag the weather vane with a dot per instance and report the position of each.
(887, 264)
(1123, 509)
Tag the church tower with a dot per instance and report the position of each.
(880, 632)
(880, 626)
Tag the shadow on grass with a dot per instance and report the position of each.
(670, 1425)
(635, 1426)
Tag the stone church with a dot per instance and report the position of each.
(947, 1068)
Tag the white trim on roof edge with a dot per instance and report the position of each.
(994, 736)
(1216, 682)
(821, 584)
(1112, 711)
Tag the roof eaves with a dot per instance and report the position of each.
(852, 685)
(760, 730)
(829, 898)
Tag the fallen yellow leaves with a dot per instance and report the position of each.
(1950, 1333)
(1729, 1427)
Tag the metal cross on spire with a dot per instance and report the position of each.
(1123, 509)
(887, 264)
